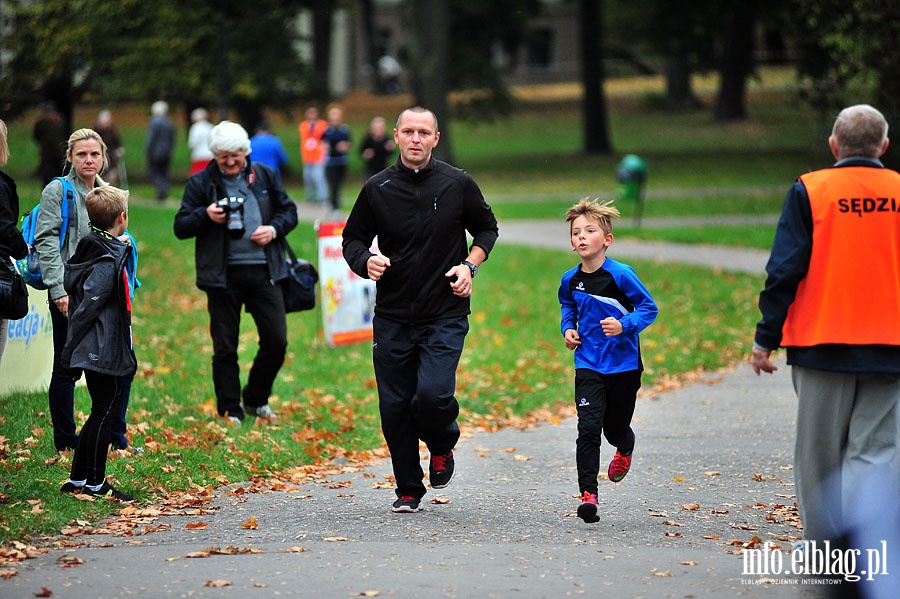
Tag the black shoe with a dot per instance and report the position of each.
(440, 470)
(406, 504)
(107, 490)
(70, 487)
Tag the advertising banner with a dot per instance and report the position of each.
(348, 300)
(28, 358)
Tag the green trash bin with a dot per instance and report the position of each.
(631, 175)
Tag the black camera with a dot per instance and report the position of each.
(234, 211)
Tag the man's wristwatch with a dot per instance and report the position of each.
(472, 268)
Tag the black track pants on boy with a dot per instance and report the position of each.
(605, 404)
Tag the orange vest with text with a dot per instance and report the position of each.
(312, 150)
(851, 293)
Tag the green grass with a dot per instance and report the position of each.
(515, 363)
(326, 395)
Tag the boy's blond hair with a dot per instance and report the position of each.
(602, 213)
(105, 204)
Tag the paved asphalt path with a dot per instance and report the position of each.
(712, 467)
(712, 470)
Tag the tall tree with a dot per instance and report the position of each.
(737, 62)
(595, 109)
(850, 53)
(429, 58)
(179, 52)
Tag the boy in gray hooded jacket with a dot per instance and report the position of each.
(99, 334)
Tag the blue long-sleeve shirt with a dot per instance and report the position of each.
(587, 298)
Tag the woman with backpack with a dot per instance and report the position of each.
(86, 160)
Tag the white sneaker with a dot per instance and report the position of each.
(261, 412)
(233, 420)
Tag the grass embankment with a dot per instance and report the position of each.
(515, 367)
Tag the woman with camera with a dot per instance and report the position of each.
(235, 210)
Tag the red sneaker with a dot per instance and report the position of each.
(440, 470)
(619, 467)
(587, 511)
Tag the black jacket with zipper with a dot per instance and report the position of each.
(99, 333)
(420, 218)
(211, 244)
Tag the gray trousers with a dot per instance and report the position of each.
(846, 462)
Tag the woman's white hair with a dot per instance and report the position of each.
(228, 137)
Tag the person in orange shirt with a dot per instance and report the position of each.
(312, 155)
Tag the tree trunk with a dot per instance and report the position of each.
(679, 91)
(322, 26)
(595, 111)
(737, 63)
(430, 33)
(367, 13)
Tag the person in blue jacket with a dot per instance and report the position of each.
(604, 308)
(267, 148)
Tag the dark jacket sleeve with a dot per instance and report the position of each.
(787, 266)
(480, 221)
(359, 232)
(11, 241)
(191, 218)
(98, 285)
(284, 210)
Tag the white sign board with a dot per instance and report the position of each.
(27, 361)
(348, 300)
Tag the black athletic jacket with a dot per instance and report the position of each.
(211, 243)
(420, 218)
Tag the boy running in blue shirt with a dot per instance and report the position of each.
(604, 308)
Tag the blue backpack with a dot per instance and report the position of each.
(30, 266)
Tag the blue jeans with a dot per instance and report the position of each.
(415, 370)
(315, 183)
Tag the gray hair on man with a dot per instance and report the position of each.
(860, 130)
(228, 137)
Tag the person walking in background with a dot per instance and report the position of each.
(337, 140)
(158, 147)
(604, 308)
(312, 155)
(830, 299)
(198, 140)
(12, 245)
(99, 338)
(420, 209)
(50, 135)
(239, 267)
(376, 147)
(110, 135)
(267, 148)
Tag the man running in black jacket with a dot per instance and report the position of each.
(420, 209)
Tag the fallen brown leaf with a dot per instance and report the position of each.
(217, 583)
(250, 524)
